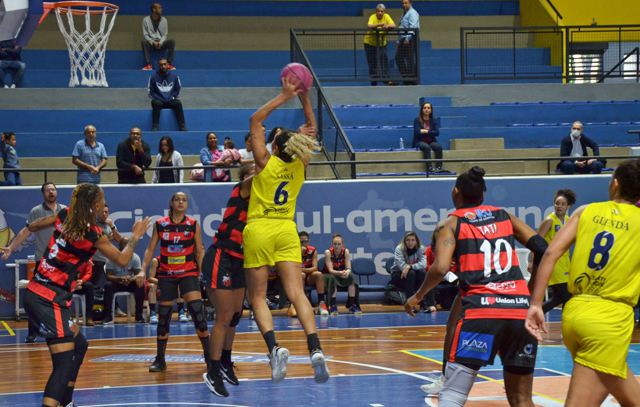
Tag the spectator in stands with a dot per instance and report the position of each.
(375, 43)
(575, 145)
(410, 269)
(405, 52)
(164, 91)
(426, 129)
(246, 154)
(132, 158)
(10, 159)
(311, 276)
(337, 262)
(209, 155)
(130, 279)
(90, 156)
(11, 63)
(167, 157)
(155, 29)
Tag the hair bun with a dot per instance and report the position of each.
(476, 172)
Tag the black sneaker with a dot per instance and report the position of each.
(215, 385)
(158, 365)
(30, 339)
(228, 374)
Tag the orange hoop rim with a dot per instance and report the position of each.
(68, 6)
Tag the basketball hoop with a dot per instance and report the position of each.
(86, 48)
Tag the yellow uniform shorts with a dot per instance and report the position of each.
(269, 241)
(597, 332)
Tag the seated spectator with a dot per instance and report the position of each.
(90, 156)
(426, 129)
(410, 269)
(447, 290)
(164, 91)
(246, 154)
(85, 287)
(229, 152)
(310, 274)
(375, 43)
(575, 145)
(167, 157)
(209, 155)
(155, 29)
(337, 263)
(130, 279)
(132, 158)
(11, 63)
(10, 159)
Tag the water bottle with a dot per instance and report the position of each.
(401, 143)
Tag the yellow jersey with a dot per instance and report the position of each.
(371, 38)
(561, 270)
(275, 189)
(606, 257)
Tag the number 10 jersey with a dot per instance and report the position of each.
(491, 283)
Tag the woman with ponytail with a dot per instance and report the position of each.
(75, 239)
(270, 237)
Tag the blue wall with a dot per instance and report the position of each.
(371, 215)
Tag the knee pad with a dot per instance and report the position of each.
(235, 320)
(164, 319)
(196, 309)
(457, 385)
(59, 378)
(81, 345)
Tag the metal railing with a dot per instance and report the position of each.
(335, 144)
(574, 54)
(342, 55)
(388, 164)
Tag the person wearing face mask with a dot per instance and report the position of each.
(575, 145)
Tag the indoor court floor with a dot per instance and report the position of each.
(376, 360)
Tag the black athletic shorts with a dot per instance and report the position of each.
(477, 341)
(220, 270)
(52, 319)
(168, 287)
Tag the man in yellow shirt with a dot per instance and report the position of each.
(375, 43)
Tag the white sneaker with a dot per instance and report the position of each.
(13, 86)
(183, 317)
(433, 388)
(278, 361)
(153, 319)
(320, 369)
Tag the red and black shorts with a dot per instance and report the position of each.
(477, 341)
(52, 319)
(168, 287)
(220, 270)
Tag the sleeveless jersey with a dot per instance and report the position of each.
(491, 282)
(307, 256)
(606, 257)
(431, 257)
(338, 260)
(177, 248)
(561, 270)
(275, 189)
(229, 236)
(63, 261)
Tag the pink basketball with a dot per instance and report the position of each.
(300, 73)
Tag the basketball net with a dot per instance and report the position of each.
(86, 48)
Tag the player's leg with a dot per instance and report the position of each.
(585, 388)
(168, 293)
(518, 383)
(626, 391)
(223, 303)
(190, 287)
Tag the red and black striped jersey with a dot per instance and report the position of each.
(229, 236)
(177, 248)
(431, 257)
(62, 262)
(307, 256)
(338, 260)
(491, 282)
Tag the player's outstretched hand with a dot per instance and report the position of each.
(411, 305)
(140, 227)
(290, 87)
(535, 322)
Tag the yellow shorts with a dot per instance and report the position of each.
(269, 241)
(597, 332)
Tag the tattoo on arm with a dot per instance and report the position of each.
(449, 242)
(132, 244)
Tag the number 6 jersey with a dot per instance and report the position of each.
(606, 258)
(275, 189)
(491, 282)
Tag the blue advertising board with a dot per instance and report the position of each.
(371, 215)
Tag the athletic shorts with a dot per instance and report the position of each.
(222, 270)
(52, 319)
(477, 341)
(168, 287)
(598, 332)
(269, 241)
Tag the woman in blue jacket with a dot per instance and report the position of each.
(426, 129)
